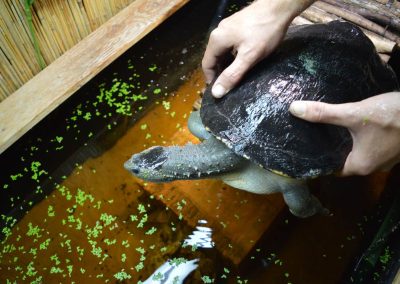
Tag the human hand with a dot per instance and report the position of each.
(374, 124)
(251, 34)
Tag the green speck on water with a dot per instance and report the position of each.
(141, 208)
(110, 242)
(141, 250)
(139, 266)
(44, 245)
(80, 250)
(151, 231)
(54, 258)
(166, 105)
(385, 258)
(50, 211)
(31, 271)
(125, 243)
(143, 126)
(153, 68)
(107, 219)
(177, 261)
(207, 279)
(35, 165)
(81, 197)
(59, 139)
(87, 116)
(33, 231)
(16, 176)
(69, 268)
(157, 91)
(158, 276)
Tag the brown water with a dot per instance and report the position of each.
(101, 224)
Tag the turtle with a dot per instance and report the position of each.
(250, 141)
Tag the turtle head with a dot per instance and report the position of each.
(209, 159)
(148, 165)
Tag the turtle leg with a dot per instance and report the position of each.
(196, 126)
(300, 201)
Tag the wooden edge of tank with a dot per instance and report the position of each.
(57, 82)
(397, 278)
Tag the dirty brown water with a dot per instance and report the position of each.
(101, 225)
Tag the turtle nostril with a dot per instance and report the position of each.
(135, 171)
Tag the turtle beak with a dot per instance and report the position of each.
(131, 166)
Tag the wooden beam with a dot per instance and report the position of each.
(56, 83)
(238, 218)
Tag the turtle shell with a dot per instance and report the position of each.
(333, 63)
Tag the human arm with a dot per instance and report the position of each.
(374, 125)
(252, 34)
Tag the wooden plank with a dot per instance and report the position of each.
(48, 89)
(397, 278)
(238, 218)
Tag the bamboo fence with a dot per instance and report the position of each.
(57, 25)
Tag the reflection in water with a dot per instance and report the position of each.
(172, 272)
(175, 272)
(201, 237)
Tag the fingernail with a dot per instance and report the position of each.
(218, 91)
(298, 108)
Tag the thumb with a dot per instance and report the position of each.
(337, 114)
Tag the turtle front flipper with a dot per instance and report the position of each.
(196, 127)
(300, 201)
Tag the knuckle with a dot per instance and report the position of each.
(215, 35)
(317, 111)
(231, 76)
(251, 53)
(234, 72)
(224, 23)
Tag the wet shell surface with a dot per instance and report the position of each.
(333, 63)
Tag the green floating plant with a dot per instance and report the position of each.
(28, 12)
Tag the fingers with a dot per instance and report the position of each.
(357, 164)
(337, 114)
(231, 76)
(216, 48)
